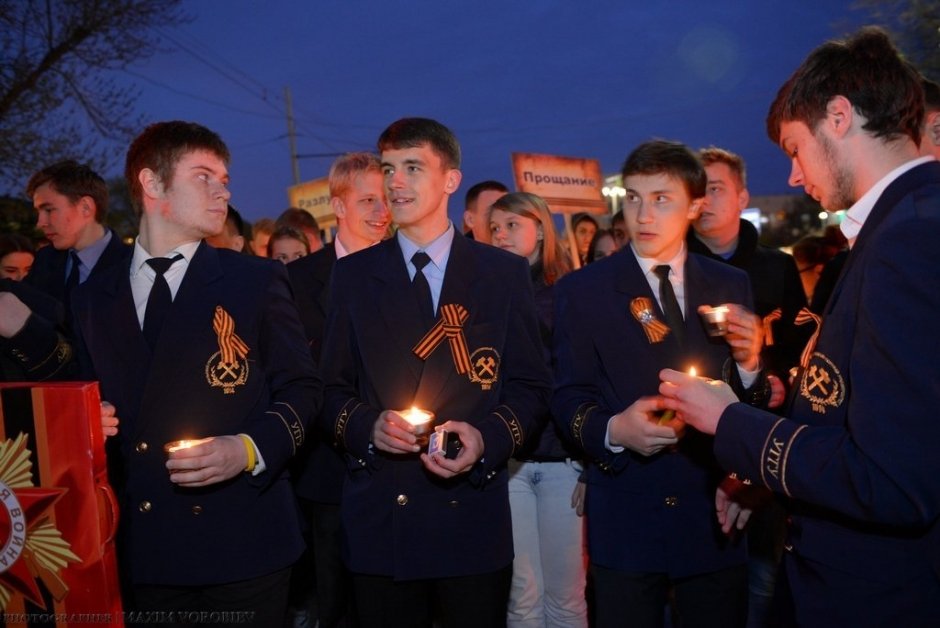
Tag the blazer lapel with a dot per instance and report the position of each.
(175, 338)
(397, 305)
(459, 277)
(631, 282)
(912, 179)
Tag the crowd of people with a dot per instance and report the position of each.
(417, 424)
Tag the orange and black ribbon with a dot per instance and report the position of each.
(229, 342)
(803, 317)
(768, 322)
(449, 326)
(642, 310)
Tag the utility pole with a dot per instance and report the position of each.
(292, 136)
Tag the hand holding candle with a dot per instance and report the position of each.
(421, 421)
(402, 431)
(741, 329)
(716, 319)
(205, 461)
(699, 401)
(666, 416)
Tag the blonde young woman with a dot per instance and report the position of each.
(548, 570)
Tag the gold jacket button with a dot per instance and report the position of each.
(197, 510)
(142, 447)
(402, 500)
(145, 506)
(671, 501)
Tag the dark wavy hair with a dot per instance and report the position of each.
(867, 70)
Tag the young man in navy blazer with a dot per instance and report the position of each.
(653, 492)
(71, 202)
(429, 535)
(213, 527)
(856, 451)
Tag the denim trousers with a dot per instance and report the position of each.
(548, 571)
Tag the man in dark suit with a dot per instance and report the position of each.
(652, 493)
(856, 452)
(432, 320)
(71, 201)
(358, 201)
(191, 342)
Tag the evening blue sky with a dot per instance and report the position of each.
(581, 79)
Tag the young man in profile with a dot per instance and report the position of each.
(652, 492)
(71, 202)
(855, 454)
(431, 320)
(197, 343)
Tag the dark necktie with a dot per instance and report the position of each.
(421, 286)
(160, 299)
(71, 282)
(667, 298)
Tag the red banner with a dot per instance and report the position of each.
(57, 512)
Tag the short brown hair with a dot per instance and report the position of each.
(715, 155)
(415, 132)
(74, 181)
(671, 158)
(160, 147)
(866, 69)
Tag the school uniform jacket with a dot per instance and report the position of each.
(857, 449)
(244, 527)
(43, 349)
(319, 469)
(400, 520)
(656, 513)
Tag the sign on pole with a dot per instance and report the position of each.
(314, 197)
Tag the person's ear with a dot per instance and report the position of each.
(338, 207)
(839, 115)
(150, 183)
(453, 180)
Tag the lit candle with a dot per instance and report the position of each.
(668, 415)
(178, 445)
(716, 320)
(420, 419)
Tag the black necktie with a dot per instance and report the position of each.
(667, 298)
(160, 299)
(71, 281)
(421, 286)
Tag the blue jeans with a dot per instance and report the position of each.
(548, 572)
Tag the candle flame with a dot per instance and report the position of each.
(693, 372)
(416, 416)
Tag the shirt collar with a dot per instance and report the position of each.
(856, 215)
(90, 255)
(438, 249)
(677, 263)
(141, 255)
(339, 249)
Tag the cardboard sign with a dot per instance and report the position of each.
(569, 185)
(314, 197)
